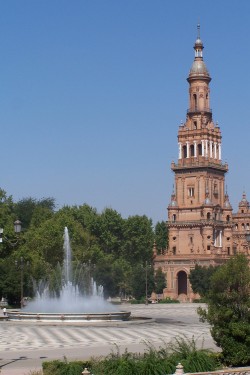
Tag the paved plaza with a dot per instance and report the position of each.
(25, 346)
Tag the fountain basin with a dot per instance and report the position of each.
(17, 315)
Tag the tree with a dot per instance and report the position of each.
(161, 236)
(111, 231)
(138, 239)
(160, 281)
(228, 310)
(138, 280)
(24, 209)
(200, 279)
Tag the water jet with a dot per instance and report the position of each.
(76, 301)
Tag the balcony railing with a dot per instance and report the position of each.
(200, 222)
(201, 162)
(197, 109)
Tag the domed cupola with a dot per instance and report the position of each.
(227, 204)
(198, 69)
(244, 202)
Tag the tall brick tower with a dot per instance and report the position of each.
(199, 214)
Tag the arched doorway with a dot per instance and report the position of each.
(182, 282)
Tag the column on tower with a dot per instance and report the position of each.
(180, 150)
(219, 151)
(215, 150)
(211, 149)
(206, 148)
(202, 148)
(195, 149)
(187, 143)
(220, 240)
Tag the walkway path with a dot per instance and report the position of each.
(27, 345)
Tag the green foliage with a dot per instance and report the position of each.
(26, 207)
(185, 351)
(200, 278)
(160, 281)
(169, 300)
(139, 239)
(116, 246)
(228, 310)
(151, 362)
(161, 236)
(138, 280)
(57, 367)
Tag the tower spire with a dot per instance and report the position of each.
(198, 30)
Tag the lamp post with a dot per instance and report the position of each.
(147, 266)
(146, 283)
(21, 264)
(17, 226)
(17, 230)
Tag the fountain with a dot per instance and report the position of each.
(75, 301)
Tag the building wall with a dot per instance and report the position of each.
(202, 228)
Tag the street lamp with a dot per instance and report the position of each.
(146, 281)
(17, 226)
(17, 230)
(21, 265)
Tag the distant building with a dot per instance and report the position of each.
(202, 228)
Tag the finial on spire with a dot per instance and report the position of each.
(198, 30)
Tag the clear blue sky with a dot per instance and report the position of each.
(92, 93)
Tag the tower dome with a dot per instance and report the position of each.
(244, 202)
(198, 68)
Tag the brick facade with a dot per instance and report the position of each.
(202, 227)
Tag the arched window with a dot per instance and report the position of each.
(208, 216)
(199, 149)
(228, 218)
(184, 151)
(195, 100)
(174, 217)
(192, 150)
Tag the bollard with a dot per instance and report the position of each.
(86, 372)
(179, 369)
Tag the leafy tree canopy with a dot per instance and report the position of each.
(200, 279)
(114, 246)
(161, 236)
(160, 281)
(228, 310)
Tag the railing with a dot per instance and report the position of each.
(227, 371)
(196, 109)
(194, 162)
(200, 222)
(180, 371)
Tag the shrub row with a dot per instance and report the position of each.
(152, 362)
